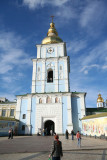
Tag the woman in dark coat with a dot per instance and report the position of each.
(56, 151)
(66, 134)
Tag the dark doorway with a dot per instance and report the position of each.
(49, 127)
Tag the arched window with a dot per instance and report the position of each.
(61, 67)
(38, 69)
(56, 100)
(48, 100)
(50, 76)
(40, 100)
(24, 116)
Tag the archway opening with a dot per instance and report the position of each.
(49, 127)
(50, 76)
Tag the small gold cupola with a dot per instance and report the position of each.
(52, 35)
(100, 99)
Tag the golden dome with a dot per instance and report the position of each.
(100, 99)
(52, 35)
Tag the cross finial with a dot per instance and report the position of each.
(52, 18)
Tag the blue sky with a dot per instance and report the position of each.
(82, 24)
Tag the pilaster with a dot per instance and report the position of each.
(28, 118)
(69, 110)
(82, 101)
(56, 75)
(34, 77)
(18, 108)
(43, 76)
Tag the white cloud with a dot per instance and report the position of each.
(104, 67)
(85, 69)
(32, 4)
(11, 52)
(76, 45)
(93, 16)
(65, 13)
(88, 14)
(96, 53)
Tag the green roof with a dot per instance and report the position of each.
(96, 109)
(7, 102)
(95, 116)
(8, 119)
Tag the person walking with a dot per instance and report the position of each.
(66, 134)
(78, 136)
(9, 134)
(72, 134)
(56, 150)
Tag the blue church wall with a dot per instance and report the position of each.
(33, 115)
(61, 63)
(76, 113)
(50, 87)
(38, 86)
(24, 105)
(65, 117)
(61, 86)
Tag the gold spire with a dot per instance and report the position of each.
(100, 99)
(52, 35)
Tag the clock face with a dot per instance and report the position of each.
(50, 50)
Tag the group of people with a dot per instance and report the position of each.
(67, 134)
(78, 136)
(72, 134)
(10, 133)
(56, 150)
(45, 132)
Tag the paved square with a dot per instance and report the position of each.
(38, 147)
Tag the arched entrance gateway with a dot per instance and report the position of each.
(49, 127)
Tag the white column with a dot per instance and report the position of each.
(56, 51)
(34, 76)
(82, 102)
(69, 110)
(66, 75)
(63, 50)
(43, 76)
(44, 53)
(56, 75)
(28, 116)
(38, 52)
(18, 108)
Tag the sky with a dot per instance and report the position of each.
(82, 24)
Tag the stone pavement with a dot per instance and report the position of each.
(38, 147)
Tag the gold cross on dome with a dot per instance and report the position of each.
(52, 18)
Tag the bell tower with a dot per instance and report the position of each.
(51, 68)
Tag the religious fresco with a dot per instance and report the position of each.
(95, 126)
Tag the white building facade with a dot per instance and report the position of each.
(50, 105)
